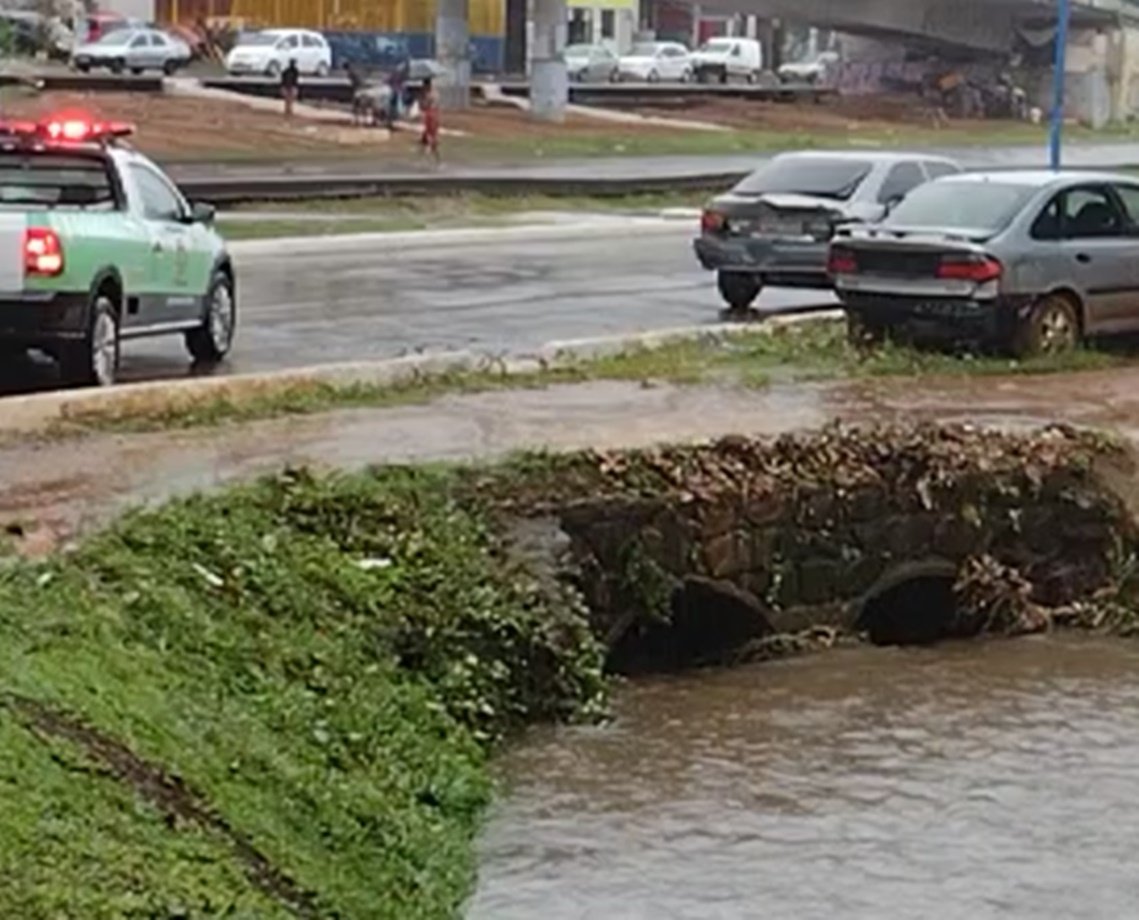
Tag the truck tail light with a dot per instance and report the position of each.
(841, 261)
(978, 269)
(43, 254)
(712, 221)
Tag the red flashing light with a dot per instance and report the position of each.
(712, 221)
(76, 130)
(43, 254)
(841, 261)
(977, 269)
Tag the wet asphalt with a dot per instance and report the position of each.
(299, 309)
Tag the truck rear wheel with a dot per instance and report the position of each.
(94, 361)
(739, 289)
(212, 340)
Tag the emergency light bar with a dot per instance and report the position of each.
(67, 130)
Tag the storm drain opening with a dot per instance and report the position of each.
(917, 610)
(708, 623)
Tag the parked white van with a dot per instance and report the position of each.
(727, 58)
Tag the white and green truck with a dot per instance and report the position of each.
(97, 245)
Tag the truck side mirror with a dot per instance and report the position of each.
(202, 213)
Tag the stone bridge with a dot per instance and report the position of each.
(703, 555)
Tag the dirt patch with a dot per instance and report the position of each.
(185, 127)
(839, 115)
(169, 794)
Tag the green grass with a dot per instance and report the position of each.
(333, 715)
(812, 351)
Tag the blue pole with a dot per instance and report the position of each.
(1056, 128)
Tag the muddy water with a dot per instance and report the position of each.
(980, 780)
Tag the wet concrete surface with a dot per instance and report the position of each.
(52, 489)
(298, 309)
(1085, 155)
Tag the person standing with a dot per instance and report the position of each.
(397, 82)
(290, 83)
(429, 104)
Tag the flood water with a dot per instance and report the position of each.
(986, 779)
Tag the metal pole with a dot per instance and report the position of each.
(1056, 128)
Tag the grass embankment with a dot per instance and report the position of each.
(259, 220)
(273, 702)
(811, 351)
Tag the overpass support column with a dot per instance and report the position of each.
(452, 50)
(549, 83)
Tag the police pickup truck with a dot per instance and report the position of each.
(97, 245)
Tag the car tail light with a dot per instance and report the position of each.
(974, 268)
(841, 261)
(712, 221)
(43, 254)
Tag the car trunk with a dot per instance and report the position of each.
(906, 253)
(775, 215)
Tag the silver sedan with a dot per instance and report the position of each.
(135, 50)
(1032, 261)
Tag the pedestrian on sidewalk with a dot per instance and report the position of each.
(290, 83)
(429, 105)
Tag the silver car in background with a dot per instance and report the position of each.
(135, 50)
(775, 226)
(1031, 261)
(591, 64)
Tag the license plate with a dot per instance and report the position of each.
(778, 226)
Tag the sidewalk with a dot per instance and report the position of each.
(52, 489)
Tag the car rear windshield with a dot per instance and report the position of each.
(119, 36)
(46, 180)
(963, 205)
(826, 177)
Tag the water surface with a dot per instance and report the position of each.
(986, 779)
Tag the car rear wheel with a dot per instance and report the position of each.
(94, 361)
(738, 288)
(654, 77)
(83, 68)
(1053, 327)
(211, 341)
(118, 66)
(273, 70)
(863, 334)
(322, 69)
(170, 68)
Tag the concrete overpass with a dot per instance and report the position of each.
(985, 25)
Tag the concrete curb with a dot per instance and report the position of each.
(41, 412)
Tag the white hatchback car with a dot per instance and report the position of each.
(653, 61)
(269, 53)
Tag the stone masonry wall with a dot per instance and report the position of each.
(746, 538)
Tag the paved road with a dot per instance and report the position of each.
(1083, 155)
(513, 290)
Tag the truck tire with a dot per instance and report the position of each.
(739, 289)
(212, 340)
(94, 361)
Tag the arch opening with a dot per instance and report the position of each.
(709, 622)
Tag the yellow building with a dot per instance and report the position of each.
(387, 16)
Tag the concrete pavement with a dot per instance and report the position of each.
(1084, 155)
